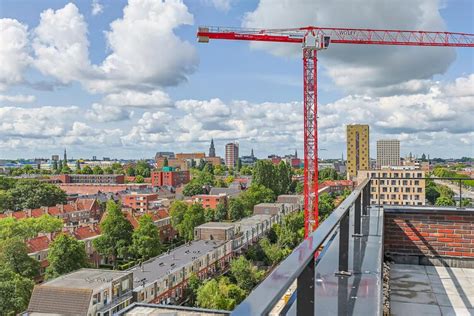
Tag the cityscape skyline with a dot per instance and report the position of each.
(86, 105)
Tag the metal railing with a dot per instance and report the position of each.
(300, 264)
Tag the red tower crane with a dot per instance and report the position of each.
(314, 39)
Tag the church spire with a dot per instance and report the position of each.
(212, 149)
(65, 155)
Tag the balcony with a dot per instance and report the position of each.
(424, 255)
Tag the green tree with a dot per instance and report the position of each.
(6, 201)
(130, 171)
(191, 290)
(60, 165)
(78, 166)
(65, 254)
(146, 239)
(193, 217)
(220, 183)
(33, 194)
(445, 201)
(299, 187)
(273, 252)
(177, 211)
(263, 174)
(219, 294)
(108, 170)
(139, 179)
(28, 227)
(87, 170)
(236, 209)
(142, 168)
(254, 195)
(15, 292)
(284, 175)
(328, 174)
(165, 162)
(325, 206)
(209, 214)
(193, 188)
(116, 234)
(220, 213)
(432, 194)
(14, 255)
(245, 273)
(97, 170)
(246, 171)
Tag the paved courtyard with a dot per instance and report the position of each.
(427, 290)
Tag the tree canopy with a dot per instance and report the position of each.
(29, 193)
(146, 239)
(185, 217)
(116, 235)
(274, 177)
(65, 254)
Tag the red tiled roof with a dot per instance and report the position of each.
(132, 219)
(38, 243)
(85, 232)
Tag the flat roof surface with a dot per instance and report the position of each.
(157, 267)
(217, 225)
(269, 204)
(139, 309)
(86, 279)
(431, 290)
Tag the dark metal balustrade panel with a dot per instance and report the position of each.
(262, 299)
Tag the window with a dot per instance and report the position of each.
(417, 182)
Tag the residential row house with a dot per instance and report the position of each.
(75, 213)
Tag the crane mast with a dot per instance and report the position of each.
(314, 39)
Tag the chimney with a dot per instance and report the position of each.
(61, 208)
(28, 212)
(45, 209)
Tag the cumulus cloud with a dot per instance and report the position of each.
(96, 7)
(107, 113)
(40, 122)
(145, 53)
(130, 98)
(362, 68)
(417, 119)
(61, 45)
(13, 52)
(18, 98)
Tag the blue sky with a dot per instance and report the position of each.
(230, 90)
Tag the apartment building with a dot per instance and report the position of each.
(210, 201)
(169, 177)
(231, 154)
(141, 202)
(388, 153)
(358, 151)
(396, 187)
(91, 178)
(88, 292)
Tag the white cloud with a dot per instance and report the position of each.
(361, 68)
(145, 53)
(106, 113)
(61, 45)
(97, 8)
(41, 122)
(130, 98)
(13, 52)
(419, 120)
(19, 98)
